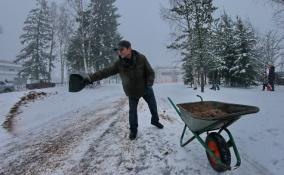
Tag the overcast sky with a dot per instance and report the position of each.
(140, 23)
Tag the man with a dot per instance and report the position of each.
(271, 76)
(137, 80)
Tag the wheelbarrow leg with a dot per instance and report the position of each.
(231, 143)
(184, 129)
(181, 138)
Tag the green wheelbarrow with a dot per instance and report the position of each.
(207, 117)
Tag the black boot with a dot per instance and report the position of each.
(132, 135)
(158, 125)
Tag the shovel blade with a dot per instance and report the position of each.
(76, 83)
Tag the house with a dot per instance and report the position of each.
(9, 70)
(168, 74)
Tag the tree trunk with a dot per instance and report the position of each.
(202, 80)
(62, 63)
(50, 55)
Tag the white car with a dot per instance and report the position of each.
(6, 87)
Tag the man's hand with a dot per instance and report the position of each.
(87, 81)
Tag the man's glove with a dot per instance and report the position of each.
(86, 79)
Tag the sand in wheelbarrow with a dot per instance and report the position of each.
(205, 111)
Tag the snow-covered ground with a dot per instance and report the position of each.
(87, 133)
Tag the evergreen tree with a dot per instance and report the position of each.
(243, 72)
(35, 40)
(225, 46)
(187, 71)
(82, 20)
(194, 18)
(75, 61)
(103, 32)
(100, 32)
(236, 47)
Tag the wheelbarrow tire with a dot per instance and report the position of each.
(219, 146)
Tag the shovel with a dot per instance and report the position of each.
(76, 82)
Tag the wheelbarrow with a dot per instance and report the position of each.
(212, 118)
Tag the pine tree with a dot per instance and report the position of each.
(103, 32)
(75, 60)
(194, 20)
(187, 71)
(243, 73)
(81, 33)
(225, 46)
(36, 39)
(100, 36)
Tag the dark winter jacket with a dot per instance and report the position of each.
(271, 75)
(136, 73)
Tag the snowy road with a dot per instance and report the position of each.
(89, 135)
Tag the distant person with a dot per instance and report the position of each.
(264, 80)
(215, 85)
(215, 81)
(137, 78)
(271, 76)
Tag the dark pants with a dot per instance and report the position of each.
(272, 85)
(149, 97)
(264, 85)
(215, 87)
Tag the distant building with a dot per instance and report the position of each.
(168, 74)
(9, 71)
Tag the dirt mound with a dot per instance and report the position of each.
(14, 111)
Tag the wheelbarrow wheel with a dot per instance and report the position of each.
(217, 144)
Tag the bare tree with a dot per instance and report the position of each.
(279, 1)
(279, 16)
(279, 12)
(53, 28)
(272, 47)
(64, 34)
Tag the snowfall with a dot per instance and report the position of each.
(87, 133)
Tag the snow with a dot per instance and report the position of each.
(87, 133)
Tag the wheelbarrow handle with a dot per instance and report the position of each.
(174, 106)
(200, 97)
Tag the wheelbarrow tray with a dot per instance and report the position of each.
(199, 116)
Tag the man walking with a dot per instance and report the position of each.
(137, 78)
(271, 76)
